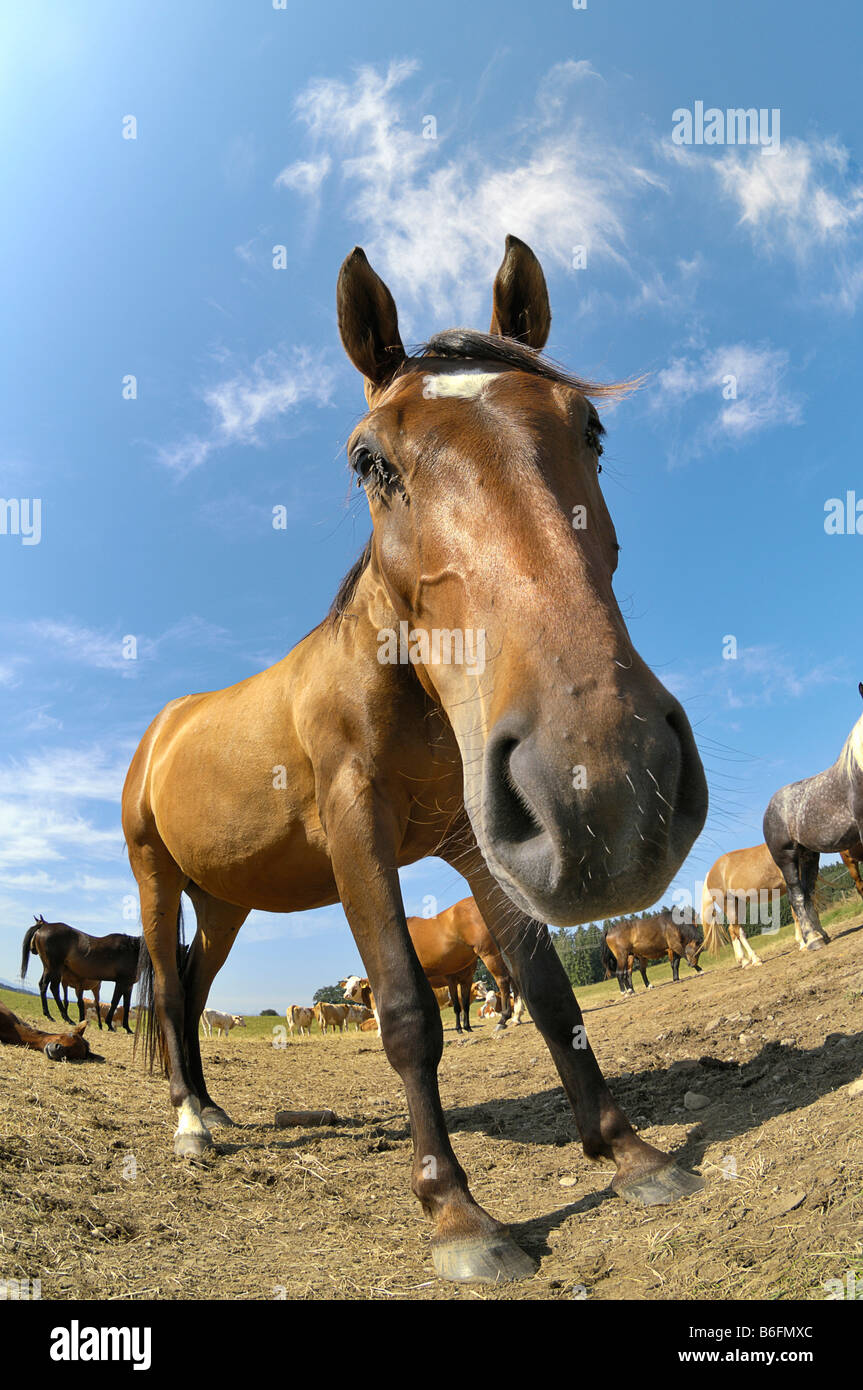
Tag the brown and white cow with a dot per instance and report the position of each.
(300, 1017)
(359, 1014)
(333, 1016)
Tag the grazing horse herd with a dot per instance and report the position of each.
(475, 454)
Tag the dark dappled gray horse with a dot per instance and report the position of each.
(820, 815)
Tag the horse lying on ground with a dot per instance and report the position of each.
(819, 815)
(647, 938)
(65, 951)
(396, 739)
(58, 1047)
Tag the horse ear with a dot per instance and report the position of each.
(79, 1027)
(860, 687)
(520, 300)
(368, 321)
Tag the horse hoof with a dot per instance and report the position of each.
(483, 1259)
(660, 1188)
(192, 1145)
(814, 944)
(501, 1028)
(214, 1117)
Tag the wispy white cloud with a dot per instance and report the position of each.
(84, 645)
(244, 405)
(81, 773)
(761, 675)
(37, 834)
(435, 225)
(800, 198)
(745, 383)
(305, 176)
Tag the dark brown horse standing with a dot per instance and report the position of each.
(819, 815)
(473, 658)
(67, 954)
(648, 938)
(58, 1047)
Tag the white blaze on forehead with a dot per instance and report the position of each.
(351, 984)
(463, 384)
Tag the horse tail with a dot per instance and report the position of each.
(609, 960)
(148, 1030)
(715, 934)
(28, 948)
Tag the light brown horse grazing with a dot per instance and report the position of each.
(648, 938)
(474, 656)
(58, 1047)
(737, 880)
(66, 952)
(448, 946)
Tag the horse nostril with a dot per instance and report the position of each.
(509, 814)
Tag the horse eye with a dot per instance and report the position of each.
(591, 439)
(373, 469)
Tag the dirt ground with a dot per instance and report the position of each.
(93, 1203)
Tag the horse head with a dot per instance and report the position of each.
(493, 555)
(71, 1047)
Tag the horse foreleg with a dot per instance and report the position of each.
(55, 990)
(643, 969)
(464, 991)
(126, 999)
(675, 966)
(112, 1008)
(800, 870)
(644, 1174)
(467, 1243)
(452, 986)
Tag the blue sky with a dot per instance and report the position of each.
(305, 128)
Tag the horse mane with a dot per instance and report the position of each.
(465, 344)
(347, 589)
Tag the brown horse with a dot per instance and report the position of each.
(648, 938)
(69, 981)
(448, 946)
(67, 953)
(58, 1047)
(738, 879)
(473, 694)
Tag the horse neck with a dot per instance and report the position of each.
(34, 1037)
(356, 637)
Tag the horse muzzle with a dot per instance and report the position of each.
(569, 845)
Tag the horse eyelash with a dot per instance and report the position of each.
(378, 473)
(591, 439)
